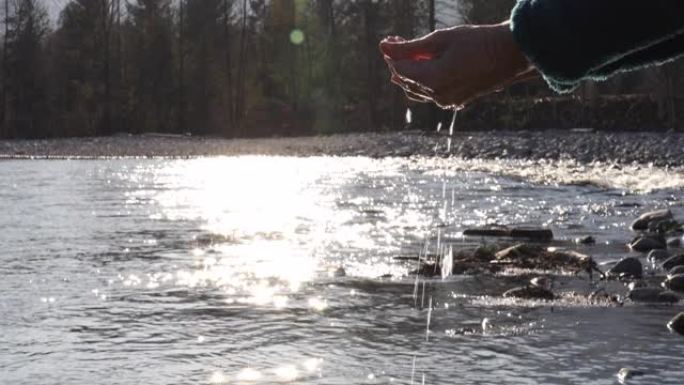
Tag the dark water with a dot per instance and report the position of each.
(223, 271)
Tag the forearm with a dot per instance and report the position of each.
(570, 40)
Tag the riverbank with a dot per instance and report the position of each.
(661, 149)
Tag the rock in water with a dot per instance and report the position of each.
(674, 242)
(587, 240)
(626, 268)
(539, 235)
(488, 232)
(658, 255)
(677, 324)
(647, 243)
(529, 292)
(675, 282)
(641, 224)
(672, 262)
(625, 374)
(517, 252)
(652, 295)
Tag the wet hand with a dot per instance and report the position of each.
(451, 67)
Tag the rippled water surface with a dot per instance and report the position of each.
(228, 270)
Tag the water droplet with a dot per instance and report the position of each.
(409, 116)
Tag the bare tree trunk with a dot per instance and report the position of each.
(240, 94)
(5, 75)
(106, 72)
(369, 28)
(181, 67)
(230, 103)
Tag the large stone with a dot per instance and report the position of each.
(625, 374)
(677, 324)
(646, 243)
(642, 223)
(672, 262)
(675, 282)
(539, 235)
(488, 232)
(652, 295)
(521, 251)
(626, 268)
(530, 292)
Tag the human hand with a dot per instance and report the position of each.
(451, 67)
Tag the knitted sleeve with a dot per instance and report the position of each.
(572, 40)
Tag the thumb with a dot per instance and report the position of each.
(424, 48)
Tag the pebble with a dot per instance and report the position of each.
(676, 324)
(626, 268)
(646, 243)
(673, 262)
(675, 282)
(642, 223)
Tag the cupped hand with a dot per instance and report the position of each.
(451, 67)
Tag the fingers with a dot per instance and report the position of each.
(410, 92)
(424, 48)
(420, 72)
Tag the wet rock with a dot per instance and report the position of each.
(664, 226)
(626, 374)
(674, 242)
(677, 324)
(518, 252)
(658, 255)
(587, 240)
(642, 223)
(647, 243)
(676, 270)
(539, 235)
(652, 295)
(626, 268)
(675, 282)
(339, 272)
(488, 232)
(529, 292)
(672, 262)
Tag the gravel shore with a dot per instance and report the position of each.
(660, 149)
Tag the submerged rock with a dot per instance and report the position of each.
(529, 292)
(648, 243)
(677, 324)
(643, 222)
(626, 268)
(587, 240)
(672, 262)
(652, 295)
(658, 255)
(675, 282)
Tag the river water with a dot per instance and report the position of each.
(229, 270)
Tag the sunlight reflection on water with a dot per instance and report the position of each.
(286, 270)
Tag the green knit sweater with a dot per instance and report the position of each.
(573, 40)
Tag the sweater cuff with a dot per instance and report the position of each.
(523, 34)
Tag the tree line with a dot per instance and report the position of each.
(239, 68)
